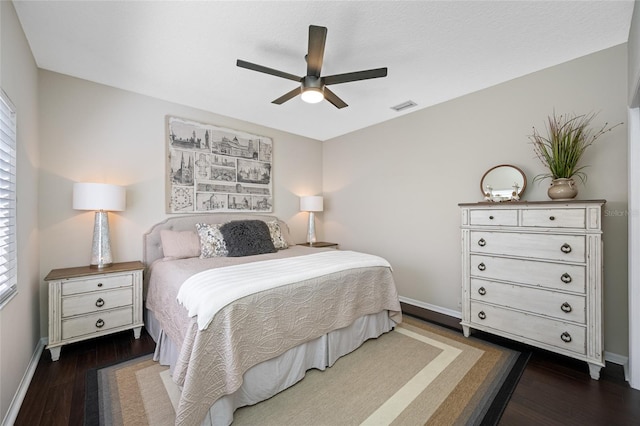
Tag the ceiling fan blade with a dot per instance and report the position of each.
(355, 76)
(315, 53)
(289, 95)
(267, 70)
(334, 99)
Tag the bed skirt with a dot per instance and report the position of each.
(275, 375)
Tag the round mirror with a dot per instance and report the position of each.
(500, 182)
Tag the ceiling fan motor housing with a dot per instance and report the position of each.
(312, 82)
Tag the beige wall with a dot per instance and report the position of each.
(634, 57)
(95, 133)
(19, 319)
(393, 189)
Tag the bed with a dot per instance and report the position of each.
(263, 342)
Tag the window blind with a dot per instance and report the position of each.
(8, 251)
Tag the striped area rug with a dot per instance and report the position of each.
(417, 374)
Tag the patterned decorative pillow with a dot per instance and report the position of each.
(247, 237)
(276, 235)
(211, 240)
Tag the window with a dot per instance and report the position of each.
(8, 261)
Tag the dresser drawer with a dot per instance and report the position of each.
(97, 301)
(95, 323)
(570, 248)
(87, 285)
(525, 326)
(554, 218)
(567, 307)
(535, 273)
(493, 217)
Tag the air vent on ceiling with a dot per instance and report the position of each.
(404, 105)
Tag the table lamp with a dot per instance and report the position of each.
(102, 198)
(311, 204)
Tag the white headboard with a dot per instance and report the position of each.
(152, 244)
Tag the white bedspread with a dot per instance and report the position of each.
(205, 293)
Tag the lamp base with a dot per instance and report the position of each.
(101, 247)
(311, 231)
(103, 266)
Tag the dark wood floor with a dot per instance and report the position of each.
(56, 393)
(553, 390)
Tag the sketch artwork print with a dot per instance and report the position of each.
(213, 169)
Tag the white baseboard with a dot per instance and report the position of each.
(608, 356)
(618, 359)
(16, 403)
(430, 307)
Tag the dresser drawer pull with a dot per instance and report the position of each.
(490, 217)
(482, 315)
(566, 337)
(100, 302)
(552, 218)
(566, 307)
(482, 291)
(100, 323)
(565, 278)
(482, 266)
(99, 284)
(566, 248)
(482, 242)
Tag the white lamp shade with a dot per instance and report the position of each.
(98, 196)
(313, 203)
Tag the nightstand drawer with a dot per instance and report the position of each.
(96, 323)
(494, 217)
(87, 285)
(554, 218)
(95, 302)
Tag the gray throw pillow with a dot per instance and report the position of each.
(247, 237)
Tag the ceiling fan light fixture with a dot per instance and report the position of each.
(312, 95)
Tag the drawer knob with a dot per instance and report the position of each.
(565, 278)
(566, 337)
(99, 323)
(482, 266)
(482, 291)
(99, 284)
(566, 307)
(490, 217)
(565, 248)
(552, 218)
(100, 302)
(482, 315)
(482, 242)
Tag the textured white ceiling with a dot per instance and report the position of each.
(186, 51)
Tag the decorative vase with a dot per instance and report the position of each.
(562, 189)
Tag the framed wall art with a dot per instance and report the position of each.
(213, 169)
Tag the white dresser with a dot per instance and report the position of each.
(86, 303)
(532, 272)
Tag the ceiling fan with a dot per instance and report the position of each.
(313, 86)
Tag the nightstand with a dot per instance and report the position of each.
(320, 244)
(86, 302)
